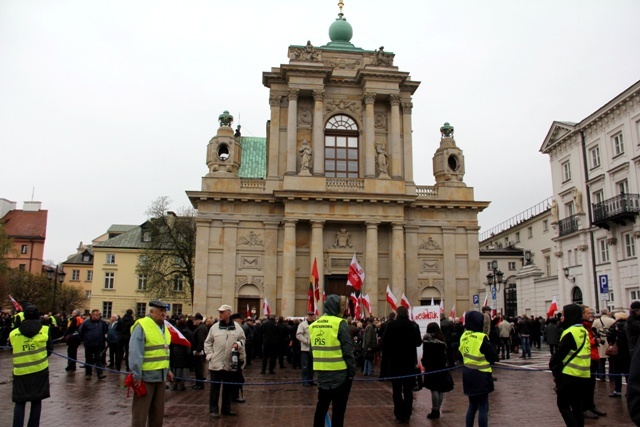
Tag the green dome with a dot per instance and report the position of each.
(340, 30)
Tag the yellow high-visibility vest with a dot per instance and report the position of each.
(325, 347)
(156, 345)
(470, 344)
(580, 365)
(29, 353)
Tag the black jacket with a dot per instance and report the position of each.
(30, 387)
(93, 333)
(399, 343)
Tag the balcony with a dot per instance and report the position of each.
(618, 210)
(568, 225)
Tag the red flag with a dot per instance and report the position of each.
(404, 301)
(316, 277)
(324, 296)
(452, 313)
(266, 310)
(391, 299)
(17, 306)
(462, 318)
(356, 274)
(552, 308)
(366, 303)
(353, 300)
(441, 308)
(486, 300)
(176, 336)
(248, 311)
(313, 287)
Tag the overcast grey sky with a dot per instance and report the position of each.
(105, 105)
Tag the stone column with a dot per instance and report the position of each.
(318, 133)
(397, 260)
(394, 138)
(371, 267)
(229, 261)
(564, 298)
(407, 141)
(288, 295)
(473, 253)
(614, 280)
(274, 137)
(317, 253)
(292, 131)
(449, 263)
(201, 266)
(412, 266)
(270, 269)
(369, 137)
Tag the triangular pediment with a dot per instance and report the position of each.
(556, 133)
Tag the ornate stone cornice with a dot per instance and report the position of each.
(407, 107)
(274, 100)
(612, 241)
(394, 100)
(318, 94)
(558, 254)
(292, 93)
(369, 98)
(583, 248)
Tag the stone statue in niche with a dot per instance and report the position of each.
(554, 211)
(429, 245)
(577, 200)
(382, 160)
(237, 134)
(380, 57)
(308, 53)
(379, 121)
(306, 155)
(343, 239)
(251, 239)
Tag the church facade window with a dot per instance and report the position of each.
(341, 142)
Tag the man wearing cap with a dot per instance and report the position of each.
(199, 336)
(306, 361)
(222, 339)
(149, 363)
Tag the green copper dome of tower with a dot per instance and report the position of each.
(340, 30)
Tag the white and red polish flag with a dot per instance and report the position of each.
(366, 303)
(486, 301)
(552, 308)
(441, 308)
(17, 306)
(176, 336)
(404, 301)
(432, 303)
(452, 313)
(356, 274)
(356, 305)
(266, 310)
(391, 299)
(462, 318)
(248, 311)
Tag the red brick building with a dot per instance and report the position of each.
(27, 228)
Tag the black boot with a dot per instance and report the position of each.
(435, 414)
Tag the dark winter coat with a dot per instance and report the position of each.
(475, 382)
(124, 327)
(633, 330)
(633, 387)
(618, 335)
(434, 358)
(93, 333)
(552, 334)
(399, 343)
(32, 387)
(180, 355)
(199, 336)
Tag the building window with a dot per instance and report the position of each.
(489, 266)
(629, 245)
(24, 249)
(111, 258)
(566, 171)
(517, 237)
(22, 267)
(177, 309)
(623, 187)
(108, 280)
(547, 264)
(634, 294)
(141, 309)
(142, 282)
(146, 236)
(530, 232)
(75, 275)
(512, 265)
(341, 155)
(618, 144)
(570, 258)
(569, 209)
(545, 225)
(86, 258)
(89, 275)
(87, 294)
(604, 250)
(177, 283)
(594, 155)
(107, 306)
(598, 196)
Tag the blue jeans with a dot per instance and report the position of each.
(306, 366)
(368, 367)
(478, 404)
(526, 345)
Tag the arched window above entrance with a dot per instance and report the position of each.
(576, 295)
(341, 141)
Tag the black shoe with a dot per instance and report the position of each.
(599, 412)
(271, 373)
(401, 421)
(215, 413)
(591, 415)
(110, 366)
(262, 372)
(230, 414)
(238, 400)
(197, 387)
(70, 368)
(435, 414)
(615, 394)
(87, 377)
(101, 376)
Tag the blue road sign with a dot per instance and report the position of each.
(604, 284)
(493, 292)
(476, 299)
(168, 307)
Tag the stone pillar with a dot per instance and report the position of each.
(397, 260)
(449, 263)
(407, 140)
(317, 243)
(229, 261)
(270, 269)
(371, 267)
(564, 298)
(292, 131)
(369, 137)
(274, 137)
(201, 266)
(614, 280)
(411, 264)
(590, 295)
(288, 295)
(394, 138)
(318, 133)
(452, 293)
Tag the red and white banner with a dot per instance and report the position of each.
(404, 301)
(356, 274)
(248, 311)
(17, 306)
(391, 299)
(366, 303)
(462, 318)
(552, 308)
(486, 301)
(452, 313)
(176, 336)
(355, 303)
(266, 310)
(441, 308)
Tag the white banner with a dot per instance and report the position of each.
(423, 315)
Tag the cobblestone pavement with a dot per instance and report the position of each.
(522, 397)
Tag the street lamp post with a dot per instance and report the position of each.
(56, 275)
(494, 280)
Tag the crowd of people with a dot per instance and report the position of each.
(328, 351)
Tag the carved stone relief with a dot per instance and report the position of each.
(380, 121)
(342, 105)
(429, 265)
(343, 239)
(342, 64)
(249, 262)
(307, 53)
(250, 239)
(249, 280)
(304, 117)
(429, 245)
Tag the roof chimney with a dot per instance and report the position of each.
(31, 206)
(6, 206)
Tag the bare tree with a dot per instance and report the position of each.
(169, 246)
(70, 297)
(26, 287)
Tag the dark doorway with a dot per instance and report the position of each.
(253, 303)
(511, 300)
(436, 301)
(576, 295)
(337, 284)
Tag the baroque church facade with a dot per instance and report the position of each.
(337, 181)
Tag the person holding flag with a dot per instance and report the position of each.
(356, 274)
(180, 358)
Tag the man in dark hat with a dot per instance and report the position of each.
(199, 335)
(149, 362)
